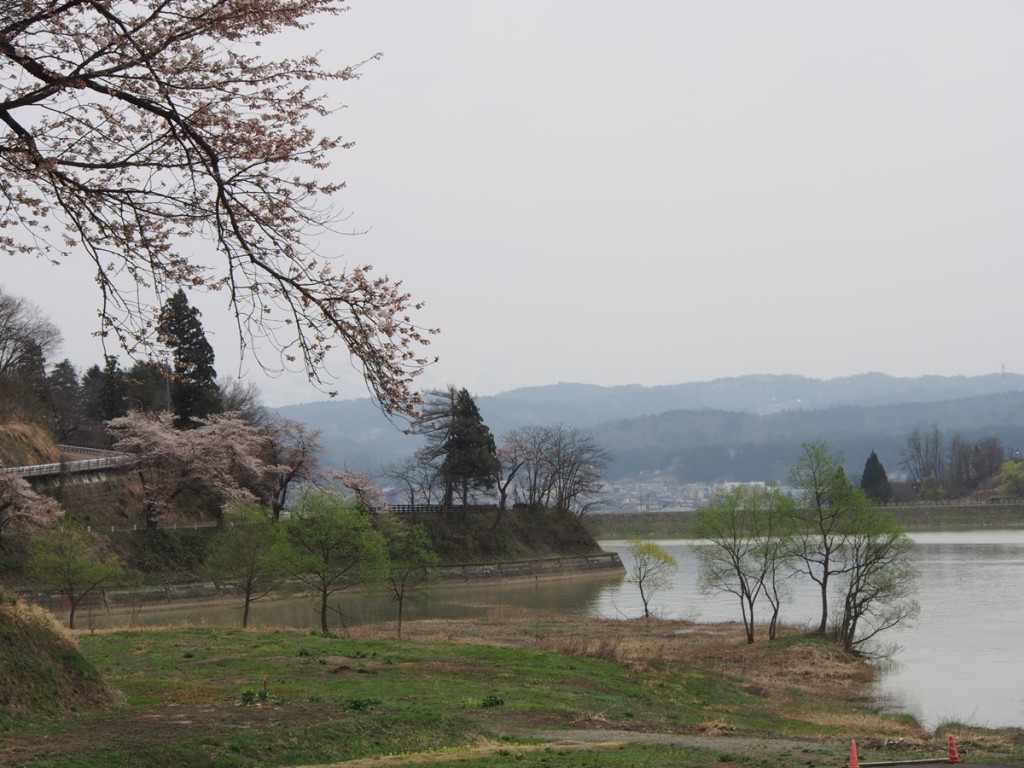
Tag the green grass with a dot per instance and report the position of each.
(332, 699)
(196, 697)
(41, 670)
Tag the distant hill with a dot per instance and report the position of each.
(585, 404)
(747, 427)
(710, 446)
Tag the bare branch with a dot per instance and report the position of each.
(132, 128)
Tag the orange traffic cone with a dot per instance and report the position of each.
(954, 756)
(854, 763)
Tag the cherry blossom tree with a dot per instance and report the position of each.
(220, 459)
(292, 457)
(364, 490)
(22, 507)
(557, 466)
(130, 132)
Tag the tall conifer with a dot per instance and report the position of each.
(459, 444)
(194, 390)
(875, 482)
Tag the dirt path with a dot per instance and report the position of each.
(596, 740)
(766, 748)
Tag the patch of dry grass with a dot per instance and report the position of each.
(801, 677)
(24, 443)
(888, 729)
(720, 647)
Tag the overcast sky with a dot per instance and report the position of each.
(667, 191)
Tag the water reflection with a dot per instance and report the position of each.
(574, 595)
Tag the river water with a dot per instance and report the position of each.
(962, 660)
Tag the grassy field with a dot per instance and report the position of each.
(514, 689)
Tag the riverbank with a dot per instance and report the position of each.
(134, 599)
(938, 516)
(525, 688)
(548, 567)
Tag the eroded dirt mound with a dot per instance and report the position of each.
(41, 669)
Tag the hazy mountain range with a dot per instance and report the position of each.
(740, 428)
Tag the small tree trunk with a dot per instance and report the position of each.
(823, 626)
(748, 620)
(323, 612)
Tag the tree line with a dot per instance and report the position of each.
(328, 543)
(559, 466)
(938, 467)
(195, 448)
(193, 444)
(555, 466)
(931, 471)
(754, 543)
(74, 406)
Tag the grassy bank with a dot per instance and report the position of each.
(512, 689)
(924, 517)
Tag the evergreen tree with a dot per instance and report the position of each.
(25, 384)
(874, 482)
(106, 389)
(64, 405)
(471, 460)
(459, 444)
(194, 390)
(148, 386)
(102, 399)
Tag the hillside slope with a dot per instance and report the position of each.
(747, 428)
(22, 443)
(41, 669)
(709, 446)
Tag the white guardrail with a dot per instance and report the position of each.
(103, 460)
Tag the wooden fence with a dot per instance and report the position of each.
(416, 509)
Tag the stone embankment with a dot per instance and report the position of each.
(541, 568)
